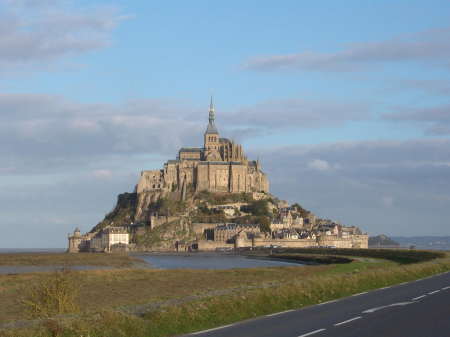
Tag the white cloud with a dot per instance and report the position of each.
(429, 46)
(388, 201)
(33, 33)
(299, 113)
(320, 165)
(103, 174)
(435, 120)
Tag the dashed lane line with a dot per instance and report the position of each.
(369, 311)
(446, 288)
(312, 332)
(327, 302)
(279, 313)
(365, 292)
(434, 292)
(419, 297)
(214, 329)
(348, 321)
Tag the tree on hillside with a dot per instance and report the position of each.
(303, 212)
(264, 224)
(257, 208)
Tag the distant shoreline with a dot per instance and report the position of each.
(31, 250)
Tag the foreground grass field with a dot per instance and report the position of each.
(111, 301)
(63, 259)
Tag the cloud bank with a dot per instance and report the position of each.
(52, 131)
(393, 187)
(435, 120)
(429, 46)
(34, 33)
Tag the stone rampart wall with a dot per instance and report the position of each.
(213, 245)
(199, 228)
(287, 243)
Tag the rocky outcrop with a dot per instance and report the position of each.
(166, 237)
(144, 208)
(123, 213)
(382, 241)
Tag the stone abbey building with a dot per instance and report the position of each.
(219, 166)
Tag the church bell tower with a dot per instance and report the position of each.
(211, 136)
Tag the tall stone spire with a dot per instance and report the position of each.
(211, 126)
(211, 111)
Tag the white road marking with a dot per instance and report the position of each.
(349, 320)
(360, 293)
(220, 327)
(418, 298)
(434, 292)
(279, 313)
(368, 311)
(446, 288)
(312, 333)
(384, 288)
(327, 302)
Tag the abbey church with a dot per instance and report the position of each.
(219, 166)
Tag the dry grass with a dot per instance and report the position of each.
(64, 259)
(112, 288)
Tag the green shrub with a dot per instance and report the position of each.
(257, 208)
(52, 296)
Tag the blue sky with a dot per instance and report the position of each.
(346, 104)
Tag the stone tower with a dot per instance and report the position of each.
(211, 137)
(220, 165)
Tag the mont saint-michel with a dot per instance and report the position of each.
(210, 198)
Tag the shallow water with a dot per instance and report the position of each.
(209, 261)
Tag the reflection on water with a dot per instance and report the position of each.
(209, 261)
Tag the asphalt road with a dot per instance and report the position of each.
(416, 309)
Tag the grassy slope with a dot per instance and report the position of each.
(292, 287)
